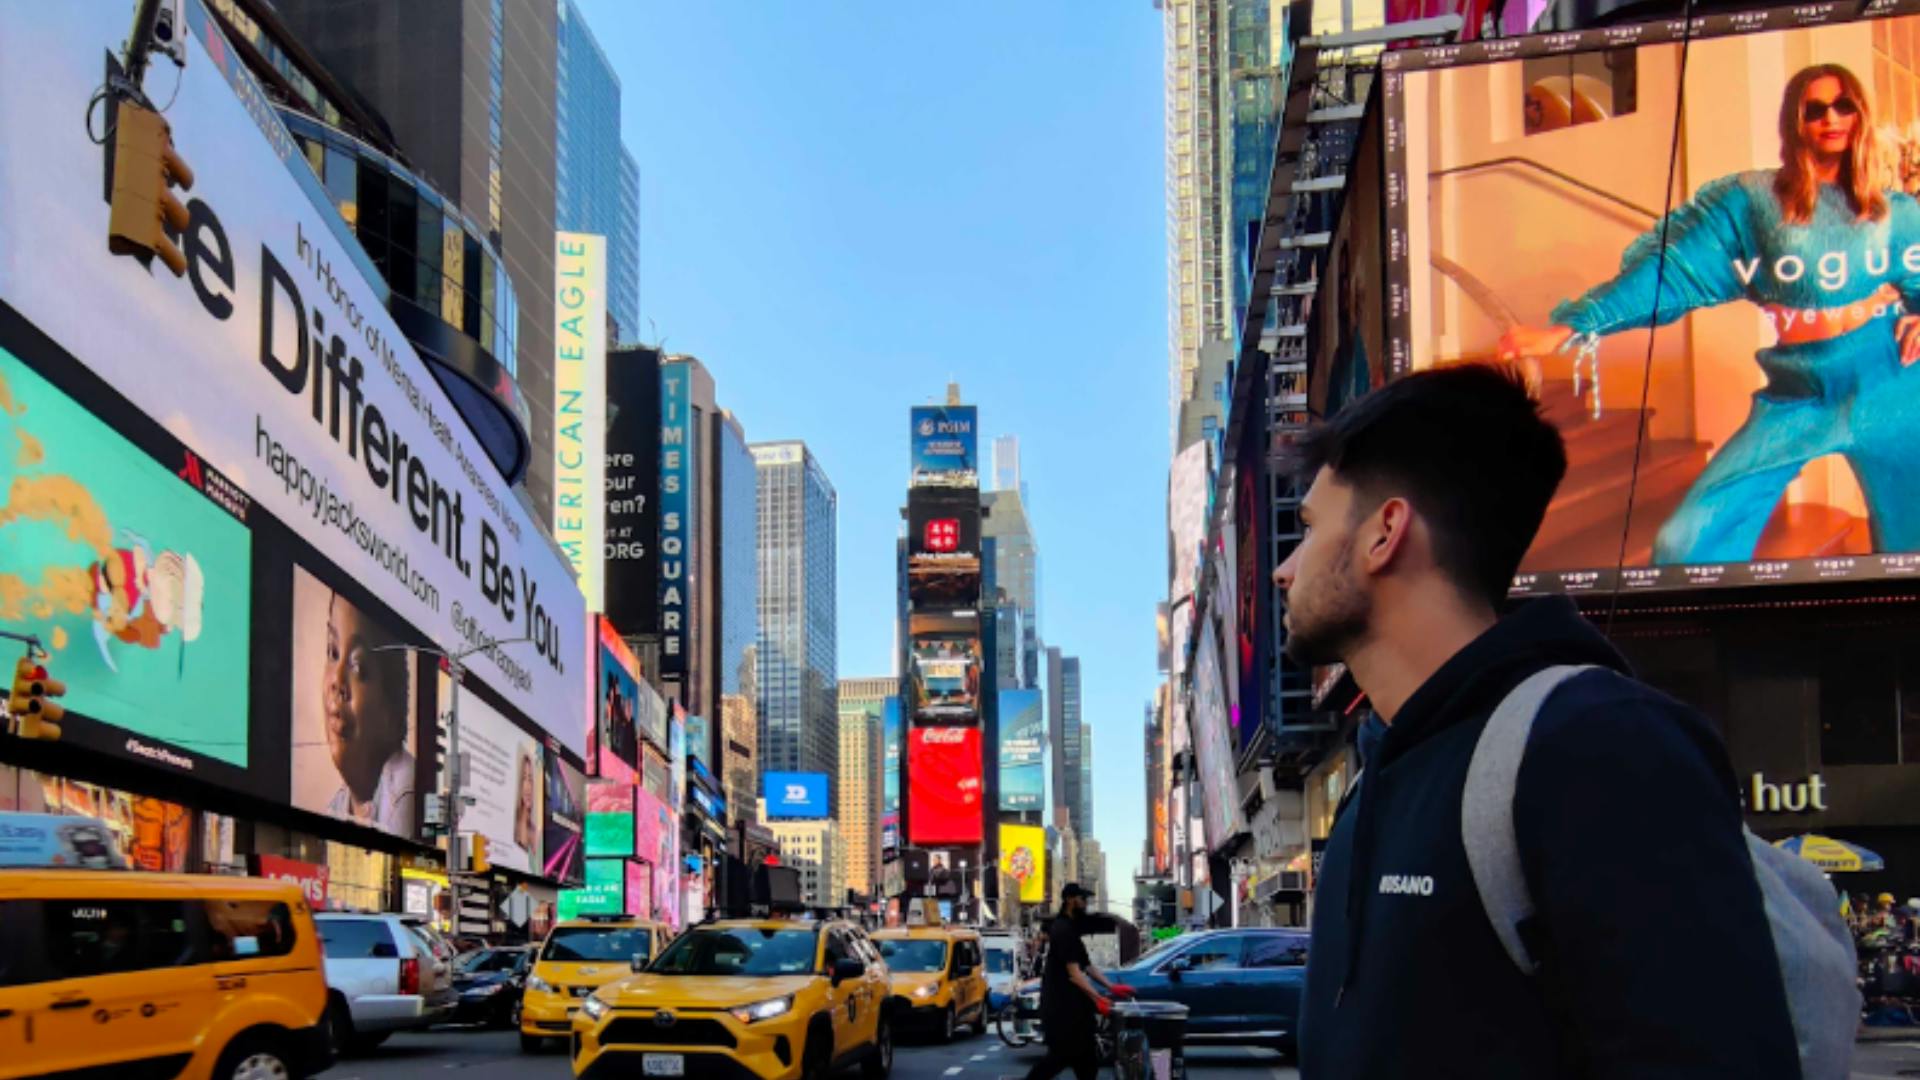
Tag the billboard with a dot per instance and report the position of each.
(353, 713)
(631, 566)
(657, 842)
(945, 446)
(615, 753)
(1777, 409)
(345, 430)
(563, 843)
(501, 782)
(137, 584)
(796, 795)
(943, 549)
(679, 443)
(580, 406)
(1023, 857)
(1023, 738)
(892, 730)
(944, 788)
(610, 827)
(1249, 646)
(944, 658)
(1213, 750)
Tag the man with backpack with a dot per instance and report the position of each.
(1573, 894)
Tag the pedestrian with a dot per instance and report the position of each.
(1424, 496)
(1069, 1004)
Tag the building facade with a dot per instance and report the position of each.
(799, 688)
(857, 787)
(1016, 579)
(596, 179)
(736, 645)
(811, 847)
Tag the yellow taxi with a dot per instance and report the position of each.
(744, 999)
(123, 973)
(939, 977)
(579, 957)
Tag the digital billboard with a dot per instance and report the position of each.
(679, 443)
(796, 795)
(1213, 750)
(943, 549)
(632, 556)
(944, 658)
(657, 842)
(1023, 857)
(944, 788)
(580, 406)
(892, 730)
(353, 713)
(137, 584)
(610, 827)
(1023, 738)
(1777, 409)
(563, 841)
(614, 753)
(945, 446)
(501, 782)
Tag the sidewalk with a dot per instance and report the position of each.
(1904, 1033)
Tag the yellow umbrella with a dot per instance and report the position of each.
(1833, 856)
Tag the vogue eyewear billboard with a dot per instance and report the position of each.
(580, 406)
(273, 359)
(946, 446)
(944, 786)
(1778, 413)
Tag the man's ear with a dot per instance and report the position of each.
(1383, 536)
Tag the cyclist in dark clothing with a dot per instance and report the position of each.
(1068, 1001)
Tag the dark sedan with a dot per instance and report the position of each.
(1239, 986)
(489, 983)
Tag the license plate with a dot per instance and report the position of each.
(663, 1064)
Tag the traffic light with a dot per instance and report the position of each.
(477, 854)
(39, 718)
(145, 170)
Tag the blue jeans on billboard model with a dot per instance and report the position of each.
(1847, 395)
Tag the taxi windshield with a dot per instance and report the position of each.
(597, 944)
(739, 951)
(914, 955)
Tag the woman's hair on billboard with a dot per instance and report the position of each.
(1865, 173)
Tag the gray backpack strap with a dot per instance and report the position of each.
(1486, 809)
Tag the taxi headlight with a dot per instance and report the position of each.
(926, 991)
(763, 1010)
(595, 1008)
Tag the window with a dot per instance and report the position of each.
(1214, 953)
(837, 948)
(239, 929)
(356, 939)
(108, 937)
(1582, 88)
(1277, 951)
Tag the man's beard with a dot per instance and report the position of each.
(1324, 623)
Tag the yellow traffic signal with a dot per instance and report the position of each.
(478, 852)
(39, 718)
(145, 170)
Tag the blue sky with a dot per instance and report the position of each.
(845, 206)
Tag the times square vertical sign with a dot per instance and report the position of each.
(676, 482)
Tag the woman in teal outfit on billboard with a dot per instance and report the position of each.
(1831, 252)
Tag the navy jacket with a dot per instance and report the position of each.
(1657, 960)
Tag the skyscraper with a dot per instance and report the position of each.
(1016, 576)
(596, 179)
(736, 646)
(460, 83)
(1006, 463)
(857, 787)
(1084, 815)
(799, 688)
(1070, 773)
(1199, 270)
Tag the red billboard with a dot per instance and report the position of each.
(944, 786)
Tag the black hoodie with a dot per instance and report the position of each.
(1657, 961)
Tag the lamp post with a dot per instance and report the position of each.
(456, 669)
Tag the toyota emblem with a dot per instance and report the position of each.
(663, 1018)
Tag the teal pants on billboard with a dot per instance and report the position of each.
(1848, 396)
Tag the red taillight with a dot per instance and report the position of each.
(410, 976)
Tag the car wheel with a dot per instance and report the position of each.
(513, 1014)
(255, 1058)
(947, 1025)
(880, 1064)
(816, 1060)
(339, 1021)
(532, 1044)
(980, 1020)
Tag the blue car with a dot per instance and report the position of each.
(1241, 987)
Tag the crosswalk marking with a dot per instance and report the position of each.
(955, 1071)
(978, 1057)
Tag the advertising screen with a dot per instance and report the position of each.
(944, 786)
(1023, 736)
(945, 660)
(1777, 412)
(678, 447)
(943, 549)
(891, 730)
(610, 827)
(137, 584)
(360, 451)
(353, 712)
(1249, 662)
(1023, 856)
(796, 795)
(580, 406)
(615, 753)
(639, 889)
(563, 842)
(658, 843)
(632, 567)
(502, 780)
(945, 446)
(1220, 792)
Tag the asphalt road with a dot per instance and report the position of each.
(484, 1055)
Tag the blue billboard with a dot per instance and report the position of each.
(890, 767)
(946, 446)
(795, 794)
(1023, 737)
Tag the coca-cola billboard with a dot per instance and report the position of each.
(311, 877)
(945, 788)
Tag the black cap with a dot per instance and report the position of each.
(1073, 889)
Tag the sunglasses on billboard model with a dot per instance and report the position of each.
(1813, 111)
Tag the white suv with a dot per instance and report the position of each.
(383, 976)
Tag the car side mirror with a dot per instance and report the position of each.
(385, 950)
(639, 963)
(847, 969)
(1177, 966)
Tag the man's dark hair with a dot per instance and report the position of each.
(1467, 446)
